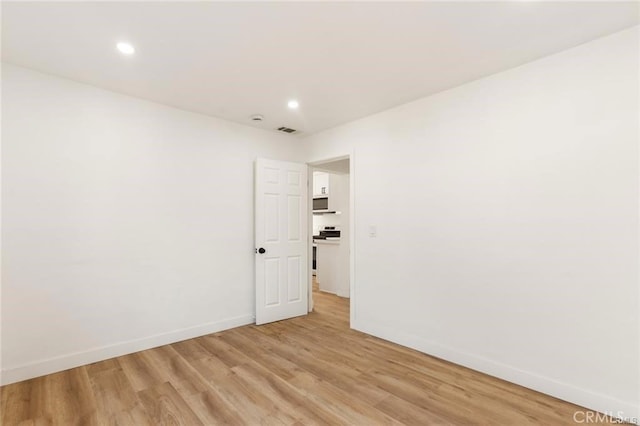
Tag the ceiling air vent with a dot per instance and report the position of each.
(286, 130)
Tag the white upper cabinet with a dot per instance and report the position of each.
(331, 185)
(320, 183)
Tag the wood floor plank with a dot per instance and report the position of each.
(212, 369)
(190, 350)
(286, 396)
(409, 413)
(166, 407)
(339, 374)
(36, 422)
(108, 364)
(253, 407)
(16, 402)
(116, 401)
(140, 373)
(63, 398)
(420, 397)
(340, 402)
(225, 353)
(286, 369)
(214, 410)
(172, 367)
(304, 371)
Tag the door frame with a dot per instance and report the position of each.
(350, 155)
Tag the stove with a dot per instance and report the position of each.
(328, 232)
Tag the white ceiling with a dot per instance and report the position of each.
(340, 167)
(342, 61)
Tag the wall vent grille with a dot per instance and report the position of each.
(286, 130)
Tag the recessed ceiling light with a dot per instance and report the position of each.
(293, 104)
(126, 48)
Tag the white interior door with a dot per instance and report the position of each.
(281, 240)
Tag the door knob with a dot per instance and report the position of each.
(261, 250)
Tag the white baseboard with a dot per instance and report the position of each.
(77, 359)
(344, 294)
(627, 410)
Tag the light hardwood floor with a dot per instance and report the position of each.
(307, 370)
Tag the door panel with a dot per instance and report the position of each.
(272, 281)
(281, 230)
(294, 278)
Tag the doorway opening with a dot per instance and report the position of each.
(331, 237)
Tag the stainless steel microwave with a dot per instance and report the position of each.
(321, 204)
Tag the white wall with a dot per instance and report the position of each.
(344, 284)
(126, 224)
(507, 219)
